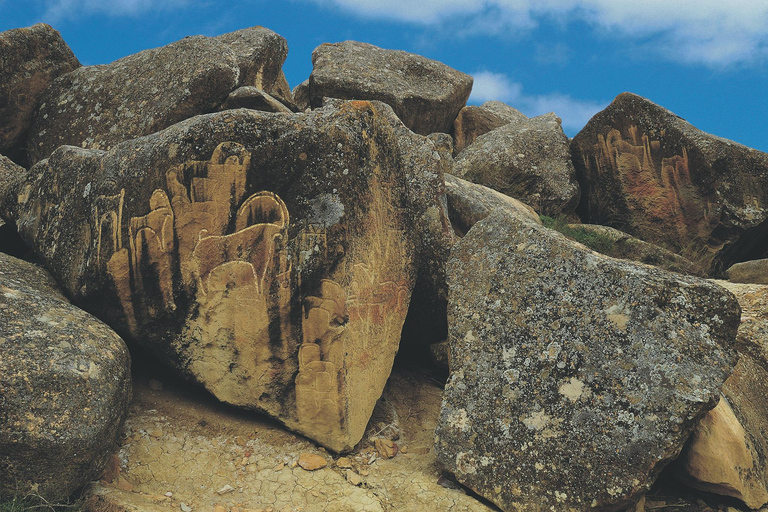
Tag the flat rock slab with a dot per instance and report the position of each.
(527, 159)
(425, 94)
(180, 446)
(30, 60)
(268, 257)
(65, 385)
(655, 176)
(97, 107)
(574, 377)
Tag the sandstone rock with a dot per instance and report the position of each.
(469, 203)
(627, 247)
(425, 94)
(651, 174)
(65, 385)
(268, 257)
(574, 377)
(312, 461)
(474, 121)
(755, 271)
(527, 159)
(386, 448)
(99, 106)
(30, 59)
(254, 99)
(301, 95)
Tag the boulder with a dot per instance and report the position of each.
(97, 107)
(301, 95)
(65, 385)
(30, 59)
(10, 176)
(754, 271)
(752, 338)
(648, 172)
(425, 94)
(268, 257)
(575, 378)
(469, 203)
(527, 159)
(474, 121)
(618, 244)
(254, 99)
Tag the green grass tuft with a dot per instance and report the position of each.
(595, 241)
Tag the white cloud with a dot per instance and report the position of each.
(67, 9)
(574, 112)
(710, 32)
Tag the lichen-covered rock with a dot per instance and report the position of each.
(752, 338)
(527, 159)
(97, 107)
(254, 99)
(30, 59)
(269, 257)
(10, 176)
(469, 203)
(425, 94)
(574, 377)
(474, 121)
(627, 247)
(653, 175)
(65, 384)
(301, 95)
(754, 271)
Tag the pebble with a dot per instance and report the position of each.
(312, 462)
(280, 466)
(169, 494)
(240, 441)
(185, 507)
(386, 448)
(353, 477)
(156, 433)
(219, 508)
(344, 463)
(224, 490)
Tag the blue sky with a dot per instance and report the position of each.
(705, 60)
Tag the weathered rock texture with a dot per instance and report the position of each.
(30, 59)
(474, 121)
(754, 271)
(425, 94)
(269, 257)
(527, 159)
(301, 95)
(533, 418)
(626, 247)
(65, 385)
(646, 171)
(10, 175)
(97, 107)
(469, 203)
(254, 99)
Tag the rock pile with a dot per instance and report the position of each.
(278, 248)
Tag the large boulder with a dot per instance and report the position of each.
(268, 257)
(753, 271)
(474, 121)
(30, 59)
(648, 172)
(97, 107)
(65, 384)
(469, 203)
(574, 377)
(527, 159)
(425, 94)
(10, 176)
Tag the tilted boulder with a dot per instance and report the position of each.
(527, 159)
(269, 257)
(650, 173)
(425, 94)
(574, 377)
(30, 59)
(97, 107)
(753, 271)
(65, 385)
(474, 121)
(469, 203)
(254, 99)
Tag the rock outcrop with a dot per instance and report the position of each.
(648, 172)
(425, 94)
(527, 159)
(269, 257)
(97, 107)
(474, 121)
(30, 59)
(534, 417)
(65, 384)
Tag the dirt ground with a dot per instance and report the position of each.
(183, 450)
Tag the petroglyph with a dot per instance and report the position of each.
(372, 300)
(108, 211)
(321, 356)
